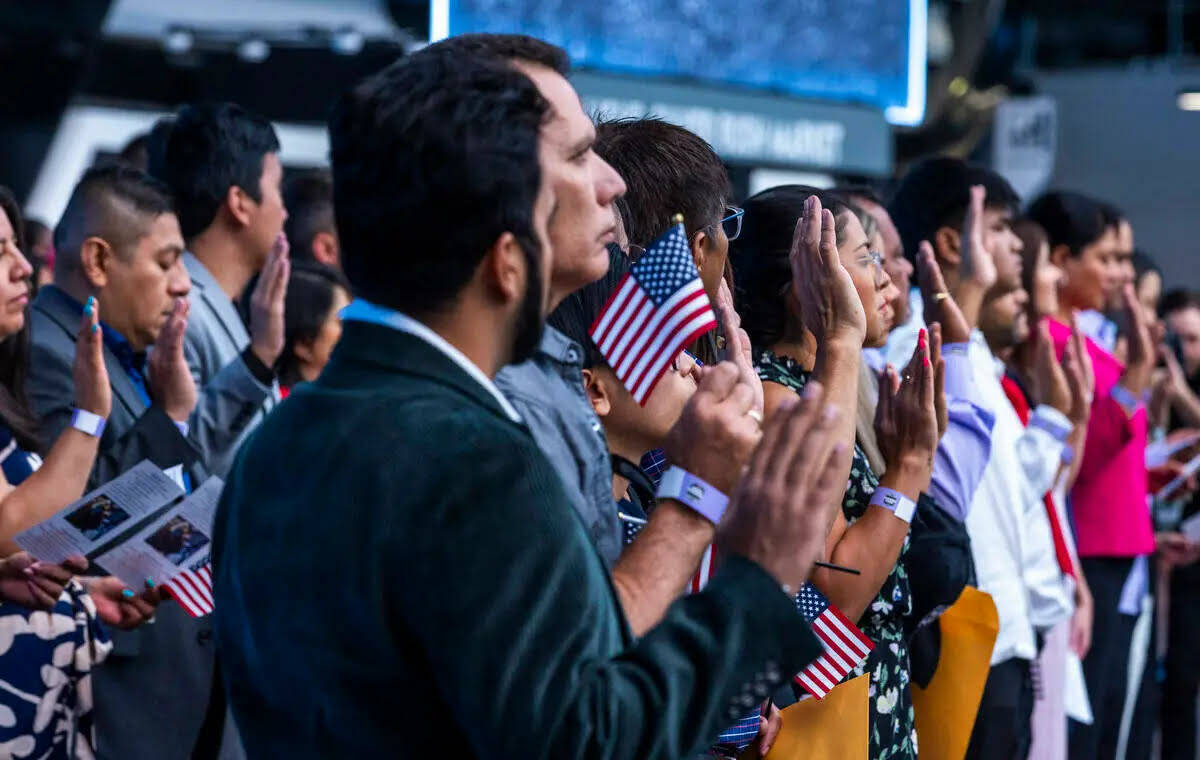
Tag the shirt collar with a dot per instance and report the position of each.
(558, 347)
(361, 310)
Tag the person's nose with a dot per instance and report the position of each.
(609, 185)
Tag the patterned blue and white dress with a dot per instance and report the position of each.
(46, 659)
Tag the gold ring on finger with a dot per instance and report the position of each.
(940, 296)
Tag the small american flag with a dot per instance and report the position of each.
(846, 647)
(193, 590)
(656, 310)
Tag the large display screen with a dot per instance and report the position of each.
(863, 51)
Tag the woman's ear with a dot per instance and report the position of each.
(598, 392)
(1059, 255)
(700, 246)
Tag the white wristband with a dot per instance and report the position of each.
(899, 504)
(87, 422)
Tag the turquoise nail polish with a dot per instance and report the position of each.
(87, 310)
(150, 582)
(127, 593)
(91, 300)
(95, 328)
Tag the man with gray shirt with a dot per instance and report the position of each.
(222, 165)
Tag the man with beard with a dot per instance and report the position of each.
(397, 566)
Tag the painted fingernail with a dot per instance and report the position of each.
(87, 310)
(149, 582)
(127, 593)
(926, 361)
(921, 338)
(95, 328)
(91, 300)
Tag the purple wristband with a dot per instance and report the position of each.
(87, 422)
(689, 490)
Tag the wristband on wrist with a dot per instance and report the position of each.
(689, 490)
(87, 422)
(894, 501)
(1126, 398)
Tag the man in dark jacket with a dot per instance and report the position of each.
(398, 568)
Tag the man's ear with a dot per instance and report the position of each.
(238, 205)
(947, 245)
(1059, 255)
(325, 248)
(598, 392)
(504, 267)
(95, 261)
(701, 242)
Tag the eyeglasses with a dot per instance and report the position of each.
(733, 222)
(875, 257)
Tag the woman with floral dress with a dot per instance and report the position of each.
(50, 624)
(812, 296)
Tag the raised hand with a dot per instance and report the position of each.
(976, 264)
(1050, 383)
(778, 515)
(829, 305)
(35, 585)
(906, 422)
(737, 344)
(267, 332)
(1141, 353)
(171, 383)
(92, 391)
(118, 605)
(717, 431)
(940, 306)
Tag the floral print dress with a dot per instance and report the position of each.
(893, 731)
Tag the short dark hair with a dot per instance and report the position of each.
(308, 197)
(1071, 219)
(1178, 299)
(508, 47)
(667, 170)
(135, 153)
(864, 192)
(211, 148)
(576, 314)
(114, 202)
(936, 192)
(309, 298)
(156, 147)
(761, 256)
(433, 159)
(15, 411)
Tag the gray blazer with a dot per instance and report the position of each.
(152, 692)
(232, 401)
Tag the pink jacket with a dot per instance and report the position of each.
(1108, 502)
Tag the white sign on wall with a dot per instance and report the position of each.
(1024, 143)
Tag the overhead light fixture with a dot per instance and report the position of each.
(346, 40)
(1189, 100)
(253, 50)
(178, 41)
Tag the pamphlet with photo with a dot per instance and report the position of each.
(178, 539)
(103, 517)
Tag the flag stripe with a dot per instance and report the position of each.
(193, 591)
(606, 315)
(666, 316)
(641, 309)
(658, 343)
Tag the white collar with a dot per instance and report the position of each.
(361, 310)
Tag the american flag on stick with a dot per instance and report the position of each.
(656, 310)
(846, 647)
(193, 590)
